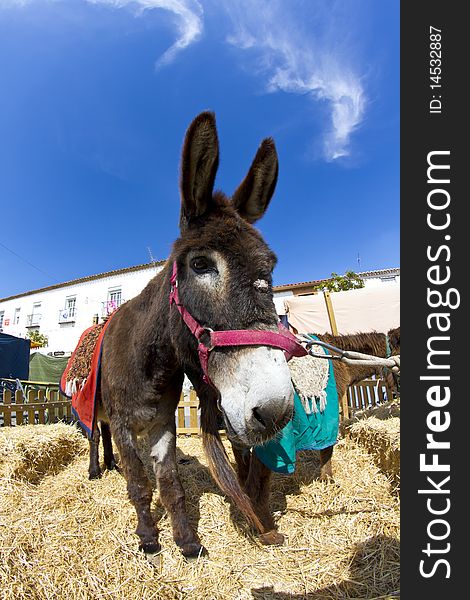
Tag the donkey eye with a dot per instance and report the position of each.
(201, 265)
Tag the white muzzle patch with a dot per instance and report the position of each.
(253, 381)
(261, 284)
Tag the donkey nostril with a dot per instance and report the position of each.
(258, 417)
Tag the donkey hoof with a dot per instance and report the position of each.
(150, 547)
(94, 474)
(192, 552)
(272, 538)
(326, 478)
(113, 466)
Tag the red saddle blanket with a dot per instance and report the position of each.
(81, 378)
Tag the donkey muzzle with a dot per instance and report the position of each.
(267, 420)
(256, 394)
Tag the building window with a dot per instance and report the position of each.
(114, 296)
(34, 319)
(2, 315)
(16, 320)
(114, 301)
(70, 304)
(68, 314)
(388, 279)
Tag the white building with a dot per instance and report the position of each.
(370, 279)
(63, 311)
(374, 278)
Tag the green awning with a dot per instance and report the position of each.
(46, 368)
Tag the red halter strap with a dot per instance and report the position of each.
(282, 339)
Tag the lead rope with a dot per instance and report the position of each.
(350, 357)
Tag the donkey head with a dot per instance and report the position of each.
(225, 283)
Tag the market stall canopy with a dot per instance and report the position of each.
(14, 357)
(365, 309)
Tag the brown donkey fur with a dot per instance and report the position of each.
(147, 347)
(368, 343)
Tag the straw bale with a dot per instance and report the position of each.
(386, 410)
(68, 537)
(382, 439)
(30, 452)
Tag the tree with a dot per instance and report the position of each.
(38, 339)
(339, 283)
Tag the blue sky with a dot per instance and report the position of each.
(96, 95)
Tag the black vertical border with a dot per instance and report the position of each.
(421, 133)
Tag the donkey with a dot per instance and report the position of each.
(255, 477)
(210, 314)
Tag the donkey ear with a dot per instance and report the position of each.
(199, 162)
(255, 192)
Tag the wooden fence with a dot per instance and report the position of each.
(187, 415)
(45, 404)
(42, 403)
(40, 406)
(363, 395)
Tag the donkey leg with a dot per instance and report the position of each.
(242, 458)
(258, 488)
(109, 460)
(94, 471)
(139, 489)
(326, 471)
(163, 451)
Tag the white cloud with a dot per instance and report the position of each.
(295, 60)
(305, 51)
(188, 15)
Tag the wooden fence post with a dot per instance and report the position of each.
(193, 420)
(331, 312)
(345, 405)
(7, 405)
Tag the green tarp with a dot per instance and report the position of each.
(46, 368)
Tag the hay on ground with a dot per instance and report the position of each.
(382, 439)
(68, 537)
(383, 411)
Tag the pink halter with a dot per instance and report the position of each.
(282, 339)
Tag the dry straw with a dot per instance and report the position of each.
(65, 537)
(382, 439)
